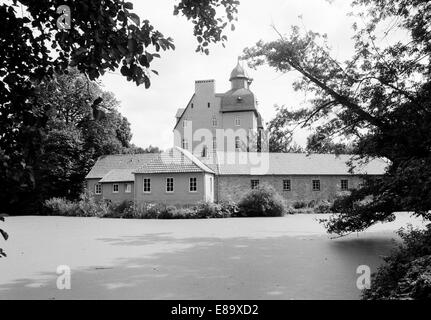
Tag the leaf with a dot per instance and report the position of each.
(154, 71)
(135, 18)
(128, 5)
(4, 234)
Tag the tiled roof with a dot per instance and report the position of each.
(121, 161)
(240, 99)
(176, 160)
(243, 163)
(118, 175)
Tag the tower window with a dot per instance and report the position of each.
(192, 105)
(237, 121)
(237, 144)
(185, 144)
(209, 105)
(204, 152)
(214, 144)
(214, 121)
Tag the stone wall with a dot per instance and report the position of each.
(233, 187)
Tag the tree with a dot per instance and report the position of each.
(380, 99)
(104, 35)
(319, 142)
(281, 132)
(72, 138)
(5, 237)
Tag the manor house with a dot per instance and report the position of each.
(220, 153)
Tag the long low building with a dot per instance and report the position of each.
(177, 177)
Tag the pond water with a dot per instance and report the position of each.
(245, 258)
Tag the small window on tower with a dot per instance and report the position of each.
(204, 152)
(214, 144)
(192, 106)
(209, 104)
(239, 99)
(185, 144)
(237, 144)
(237, 121)
(214, 121)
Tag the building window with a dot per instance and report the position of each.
(204, 152)
(209, 105)
(237, 144)
(192, 105)
(254, 184)
(98, 188)
(286, 185)
(214, 121)
(193, 185)
(316, 185)
(344, 184)
(128, 188)
(115, 188)
(169, 184)
(185, 144)
(237, 121)
(147, 185)
(214, 144)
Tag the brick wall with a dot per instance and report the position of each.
(233, 187)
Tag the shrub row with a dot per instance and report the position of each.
(263, 201)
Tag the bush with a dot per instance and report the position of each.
(262, 201)
(299, 204)
(62, 207)
(89, 206)
(228, 208)
(323, 207)
(406, 273)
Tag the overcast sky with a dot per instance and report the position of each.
(151, 111)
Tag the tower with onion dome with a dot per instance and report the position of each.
(212, 122)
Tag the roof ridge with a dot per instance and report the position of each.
(195, 160)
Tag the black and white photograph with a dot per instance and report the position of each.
(215, 150)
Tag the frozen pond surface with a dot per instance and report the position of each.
(244, 258)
